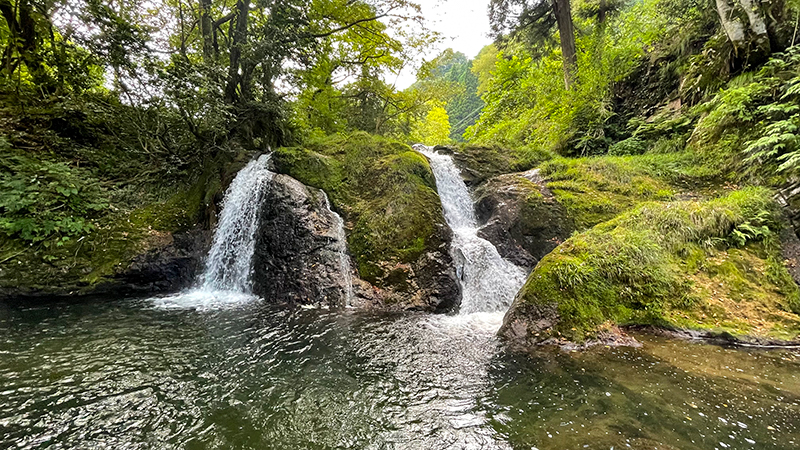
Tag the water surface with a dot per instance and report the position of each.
(243, 374)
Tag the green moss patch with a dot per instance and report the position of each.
(596, 189)
(386, 192)
(687, 264)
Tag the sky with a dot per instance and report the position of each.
(464, 25)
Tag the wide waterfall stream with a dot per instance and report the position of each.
(191, 371)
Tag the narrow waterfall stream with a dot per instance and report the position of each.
(341, 249)
(489, 283)
(228, 265)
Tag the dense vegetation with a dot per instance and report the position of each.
(664, 127)
(121, 121)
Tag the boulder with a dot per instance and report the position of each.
(298, 256)
(521, 217)
(167, 262)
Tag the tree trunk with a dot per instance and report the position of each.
(206, 29)
(561, 8)
(745, 25)
(238, 41)
(24, 37)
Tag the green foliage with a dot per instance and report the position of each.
(42, 200)
(752, 125)
(630, 146)
(435, 129)
(528, 105)
(464, 105)
(636, 268)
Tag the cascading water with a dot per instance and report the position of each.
(229, 262)
(489, 283)
(341, 249)
(228, 265)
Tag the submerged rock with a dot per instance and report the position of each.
(297, 256)
(521, 217)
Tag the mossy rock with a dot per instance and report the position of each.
(683, 264)
(480, 163)
(386, 193)
(154, 248)
(521, 217)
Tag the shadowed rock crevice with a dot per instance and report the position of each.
(521, 217)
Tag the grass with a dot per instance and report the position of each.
(672, 264)
(596, 189)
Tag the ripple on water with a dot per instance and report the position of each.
(126, 374)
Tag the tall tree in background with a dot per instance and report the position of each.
(535, 19)
(463, 105)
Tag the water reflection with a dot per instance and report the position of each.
(128, 374)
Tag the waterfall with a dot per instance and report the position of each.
(341, 250)
(228, 265)
(488, 282)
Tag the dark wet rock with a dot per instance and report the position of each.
(297, 256)
(426, 284)
(521, 217)
(790, 251)
(168, 268)
(720, 338)
(297, 259)
(170, 262)
(479, 163)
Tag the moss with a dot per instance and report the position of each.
(118, 237)
(596, 189)
(385, 191)
(484, 162)
(672, 264)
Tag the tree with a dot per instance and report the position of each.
(537, 18)
(483, 67)
(462, 102)
(435, 129)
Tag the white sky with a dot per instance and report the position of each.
(464, 25)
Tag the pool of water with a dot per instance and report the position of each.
(243, 374)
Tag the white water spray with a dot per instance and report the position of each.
(489, 283)
(229, 262)
(341, 250)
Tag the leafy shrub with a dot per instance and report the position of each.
(40, 200)
(630, 146)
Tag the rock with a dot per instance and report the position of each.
(479, 163)
(427, 284)
(297, 256)
(396, 231)
(168, 263)
(521, 217)
(166, 268)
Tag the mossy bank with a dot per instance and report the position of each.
(712, 265)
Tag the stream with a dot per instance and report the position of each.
(132, 373)
(216, 367)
